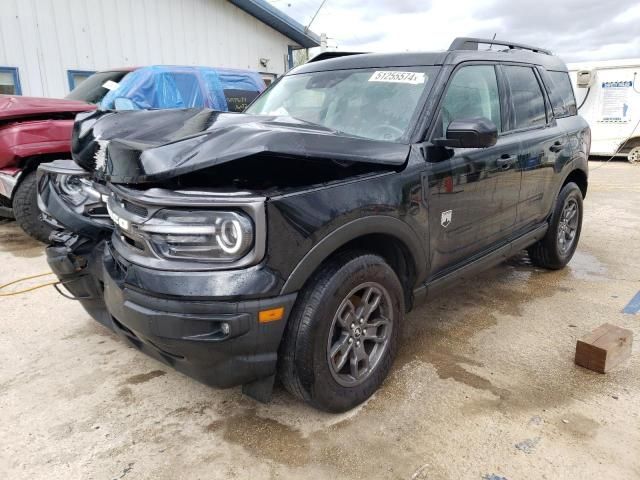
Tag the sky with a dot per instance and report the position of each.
(576, 30)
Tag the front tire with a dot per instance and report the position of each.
(559, 244)
(26, 211)
(342, 335)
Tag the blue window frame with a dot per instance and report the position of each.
(76, 77)
(10, 81)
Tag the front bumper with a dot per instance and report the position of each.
(221, 343)
(8, 181)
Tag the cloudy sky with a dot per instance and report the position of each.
(574, 29)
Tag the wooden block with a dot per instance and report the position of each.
(604, 348)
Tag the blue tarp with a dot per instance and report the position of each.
(181, 87)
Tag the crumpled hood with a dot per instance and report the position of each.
(15, 106)
(151, 146)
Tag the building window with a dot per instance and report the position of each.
(10, 81)
(76, 77)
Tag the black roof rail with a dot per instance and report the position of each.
(466, 43)
(327, 55)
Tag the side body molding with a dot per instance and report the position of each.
(377, 224)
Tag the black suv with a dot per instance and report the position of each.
(291, 239)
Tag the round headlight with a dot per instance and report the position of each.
(230, 236)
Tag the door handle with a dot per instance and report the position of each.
(505, 161)
(557, 146)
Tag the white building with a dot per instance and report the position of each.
(49, 46)
(609, 99)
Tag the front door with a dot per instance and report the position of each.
(472, 194)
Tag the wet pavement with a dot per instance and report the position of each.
(484, 385)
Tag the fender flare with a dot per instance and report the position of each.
(377, 224)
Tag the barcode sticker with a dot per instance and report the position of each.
(413, 78)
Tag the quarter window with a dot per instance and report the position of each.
(526, 97)
(473, 92)
(563, 100)
(9, 81)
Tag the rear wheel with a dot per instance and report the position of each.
(342, 336)
(634, 155)
(26, 211)
(561, 240)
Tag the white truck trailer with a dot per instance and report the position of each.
(608, 93)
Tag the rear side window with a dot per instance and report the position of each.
(563, 100)
(526, 97)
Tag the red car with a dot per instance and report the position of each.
(34, 130)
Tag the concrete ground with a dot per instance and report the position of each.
(484, 387)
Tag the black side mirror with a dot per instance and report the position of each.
(477, 132)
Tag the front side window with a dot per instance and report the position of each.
(564, 101)
(378, 104)
(526, 97)
(473, 92)
(9, 81)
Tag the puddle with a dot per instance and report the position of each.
(585, 266)
(265, 438)
(13, 240)
(579, 425)
(144, 377)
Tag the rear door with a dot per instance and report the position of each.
(544, 146)
(472, 193)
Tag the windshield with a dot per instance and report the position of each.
(91, 90)
(371, 103)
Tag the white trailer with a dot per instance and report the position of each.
(609, 92)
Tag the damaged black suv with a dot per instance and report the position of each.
(290, 240)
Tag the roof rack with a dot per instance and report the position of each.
(332, 54)
(466, 43)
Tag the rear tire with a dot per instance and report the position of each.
(325, 331)
(559, 244)
(26, 211)
(634, 156)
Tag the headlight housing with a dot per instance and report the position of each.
(200, 235)
(80, 194)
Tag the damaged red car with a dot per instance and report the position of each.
(35, 130)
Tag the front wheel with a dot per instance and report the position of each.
(559, 244)
(342, 336)
(26, 211)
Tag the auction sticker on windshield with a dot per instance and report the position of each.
(413, 78)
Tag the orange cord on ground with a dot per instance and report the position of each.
(20, 280)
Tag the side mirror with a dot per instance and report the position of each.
(477, 132)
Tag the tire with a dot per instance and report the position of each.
(304, 358)
(633, 156)
(26, 211)
(550, 252)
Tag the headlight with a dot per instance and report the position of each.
(75, 189)
(80, 194)
(199, 235)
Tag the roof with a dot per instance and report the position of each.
(406, 59)
(279, 21)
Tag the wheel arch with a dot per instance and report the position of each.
(29, 164)
(389, 237)
(629, 144)
(579, 177)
